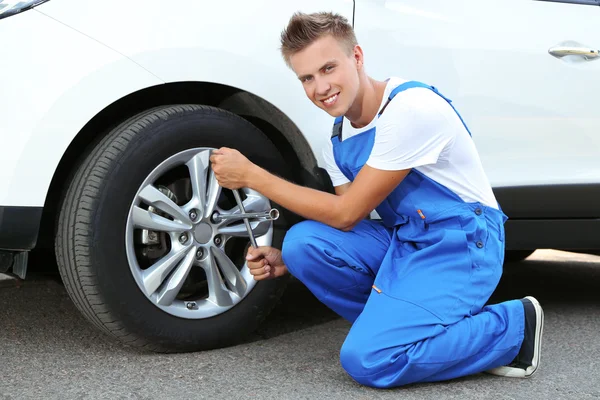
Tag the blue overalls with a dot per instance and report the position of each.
(414, 284)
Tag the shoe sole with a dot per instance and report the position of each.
(511, 372)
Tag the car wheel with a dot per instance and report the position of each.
(517, 255)
(144, 245)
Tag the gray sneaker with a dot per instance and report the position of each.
(528, 359)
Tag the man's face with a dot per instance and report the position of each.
(329, 75)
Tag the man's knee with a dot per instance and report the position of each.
(360, 363)
(299, 240)
(377, 367)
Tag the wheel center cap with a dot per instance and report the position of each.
(203, 232)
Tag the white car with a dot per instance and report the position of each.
(108, 111)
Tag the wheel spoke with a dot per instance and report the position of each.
(217, 291)
(252, 203)
(214, 191)
(155, 198)
(198, 167)
(148, 220)
(154, 276)
(259, 228)
(230, 272)
(175, 282)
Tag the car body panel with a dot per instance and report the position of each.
(79, 77)
(534, 117)
(89, 66)
(201, 47)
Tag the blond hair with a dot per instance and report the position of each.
(303, 29)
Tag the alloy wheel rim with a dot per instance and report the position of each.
(191, 239)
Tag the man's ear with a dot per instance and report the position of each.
(358, 56)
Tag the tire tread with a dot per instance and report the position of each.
(74, 233)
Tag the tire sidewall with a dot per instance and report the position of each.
(158, 140)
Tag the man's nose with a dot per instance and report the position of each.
(323, 87)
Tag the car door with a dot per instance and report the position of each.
(524, 74)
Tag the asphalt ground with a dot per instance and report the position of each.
(47, 350)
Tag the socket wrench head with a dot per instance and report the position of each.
(273, 214)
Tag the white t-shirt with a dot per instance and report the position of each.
(420, 130)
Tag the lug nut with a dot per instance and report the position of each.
(199, 254)
(215, 218)
(218, 240)
(193, 215)
(192, 305)
(183, 238)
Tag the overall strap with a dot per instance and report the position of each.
(337, 128)
(414, 84)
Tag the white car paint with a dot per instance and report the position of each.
(534, 117)
(54, 81)
(95, 52)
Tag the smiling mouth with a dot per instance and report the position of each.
(330, 100)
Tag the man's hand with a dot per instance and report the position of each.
(265, 263)
(343, 211)
(231, 168)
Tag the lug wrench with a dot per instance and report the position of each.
(270, 215)
(238, 200)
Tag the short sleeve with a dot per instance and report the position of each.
(413, 131)
(337, 177)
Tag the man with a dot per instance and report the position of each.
(414, 284)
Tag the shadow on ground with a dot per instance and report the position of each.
(553, 277)
(571, 281)
(557, 280)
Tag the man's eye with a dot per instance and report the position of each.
(329, 68)
(307, 79)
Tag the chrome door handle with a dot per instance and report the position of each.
(562, 51)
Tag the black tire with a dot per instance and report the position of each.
(517, 255)
(90, 237)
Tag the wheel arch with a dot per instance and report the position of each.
(275, 124)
